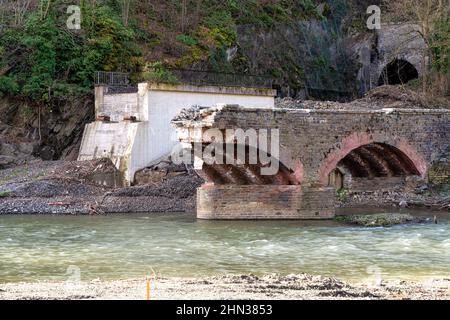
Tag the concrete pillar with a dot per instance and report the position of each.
(99, 99)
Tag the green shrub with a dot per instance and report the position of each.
(4, 194)
(49, 62)
(187, 40)
(8, 85)
(156, 72)
(342, 194)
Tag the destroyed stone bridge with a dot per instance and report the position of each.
(320, 151)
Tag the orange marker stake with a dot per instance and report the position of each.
(148, 289)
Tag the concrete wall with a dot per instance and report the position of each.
(111, 140)
(264, 202)
(134, 145)
(165, 101)
(117, 105)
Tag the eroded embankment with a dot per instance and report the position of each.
(66, 187)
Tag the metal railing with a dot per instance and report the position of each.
(185, 76)
(114, 79)
(119, 82)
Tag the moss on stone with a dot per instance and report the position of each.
(380, 220)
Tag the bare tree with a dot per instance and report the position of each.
(197, 14)
(2, 13)
(44, 8)
(126, 4)
(183, 15)
(13, 12)
(426, 13)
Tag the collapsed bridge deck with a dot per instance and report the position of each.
(319, 151)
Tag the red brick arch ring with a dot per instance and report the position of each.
(357, 141)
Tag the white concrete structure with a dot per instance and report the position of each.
(134, 129)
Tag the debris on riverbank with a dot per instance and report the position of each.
(228, 287)
(381, 219)
(94, 187)
(428, 197)
(388, 96)
(89, 187)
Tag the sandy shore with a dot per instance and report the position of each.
(229, 287)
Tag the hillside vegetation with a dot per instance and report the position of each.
(42, 60)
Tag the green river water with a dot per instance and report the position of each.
(41, 248)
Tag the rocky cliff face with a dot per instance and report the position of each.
(320, 60)
(28, 132)
(312, 59)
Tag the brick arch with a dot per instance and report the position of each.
(360, 139)
(291, 172)
(292, 163)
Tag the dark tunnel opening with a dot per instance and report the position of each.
(398, 71)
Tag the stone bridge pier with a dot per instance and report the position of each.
(319, 151)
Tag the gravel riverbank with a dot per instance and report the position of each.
(67, 187)
(274, 287)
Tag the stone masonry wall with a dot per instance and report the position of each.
(320, 139)
(376, 184)
(264, 202)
